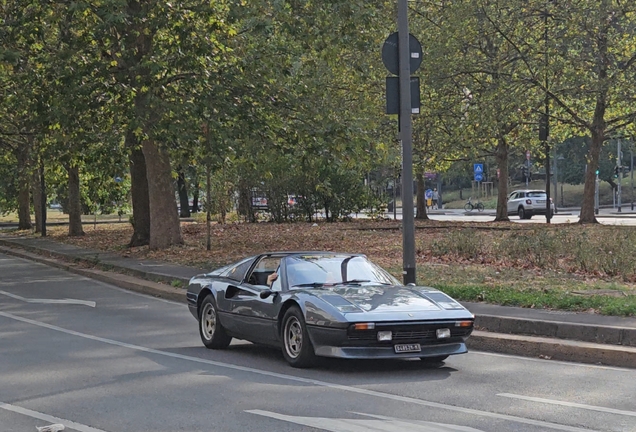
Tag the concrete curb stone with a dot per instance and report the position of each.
(553, 349)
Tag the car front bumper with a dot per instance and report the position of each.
(331, 342)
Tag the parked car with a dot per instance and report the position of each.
(326, 304)
(527, 203)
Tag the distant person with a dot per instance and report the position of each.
(435, 198)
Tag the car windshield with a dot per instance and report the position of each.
(320, 270)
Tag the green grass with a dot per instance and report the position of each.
(528, 289)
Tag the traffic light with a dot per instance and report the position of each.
(616, 170)
(524, 171)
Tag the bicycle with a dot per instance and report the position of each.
(470, 206)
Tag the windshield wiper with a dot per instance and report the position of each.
(311, 284)
(353, 281)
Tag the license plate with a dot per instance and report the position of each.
(407, 348)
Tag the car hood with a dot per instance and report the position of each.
(399, 301)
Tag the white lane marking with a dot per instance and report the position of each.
(349, 389)
(45, 417)
(569, 404)
(564, 363)
(381, 424)
(48, 280)
(50, 301)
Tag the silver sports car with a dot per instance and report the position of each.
(326, 304)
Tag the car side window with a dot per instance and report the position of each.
(265, 267)
(277, 285)
(237, 272)
(514, 196)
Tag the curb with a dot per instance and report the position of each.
(553, 349)
(488, 341)
(557, 329)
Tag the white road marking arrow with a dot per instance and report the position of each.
(379, 424)
(50, 301)
(45, 417)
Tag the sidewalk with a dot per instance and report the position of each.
(540, 333)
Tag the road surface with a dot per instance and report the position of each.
(100, 359)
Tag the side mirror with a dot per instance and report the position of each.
(265, 294)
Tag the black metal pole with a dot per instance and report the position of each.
(408, 222)
(546, 123)
(631, 153)
(43, 199)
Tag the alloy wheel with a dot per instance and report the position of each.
(208, 321)
(293, 337)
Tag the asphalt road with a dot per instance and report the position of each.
(100, 359)
(560, 218)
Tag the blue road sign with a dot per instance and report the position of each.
(478, 170)
(428, 194)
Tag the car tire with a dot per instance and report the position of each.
(437, 359)
(212, 333)
(297, 347)
(522, 213)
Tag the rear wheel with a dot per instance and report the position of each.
(297, 348)
(522, 213)
(480, 207)
(212, 333)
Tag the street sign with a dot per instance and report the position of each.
(478, 170)
(528, 155)
(393, 95)
(430, 175)
(390, 56)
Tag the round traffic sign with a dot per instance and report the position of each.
(390, 53)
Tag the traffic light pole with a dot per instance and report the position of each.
(406, 136)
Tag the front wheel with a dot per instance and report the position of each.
(468, 207)
(212, 333)
(297, 348)
(480, 207)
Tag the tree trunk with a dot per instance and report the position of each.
(184, 203)
(74, 204)
(587, 207)
(502, 190)
(36, 194)
(165, 230)
(24, 189)
(421, 199)
(139, 193)
(195, 194)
